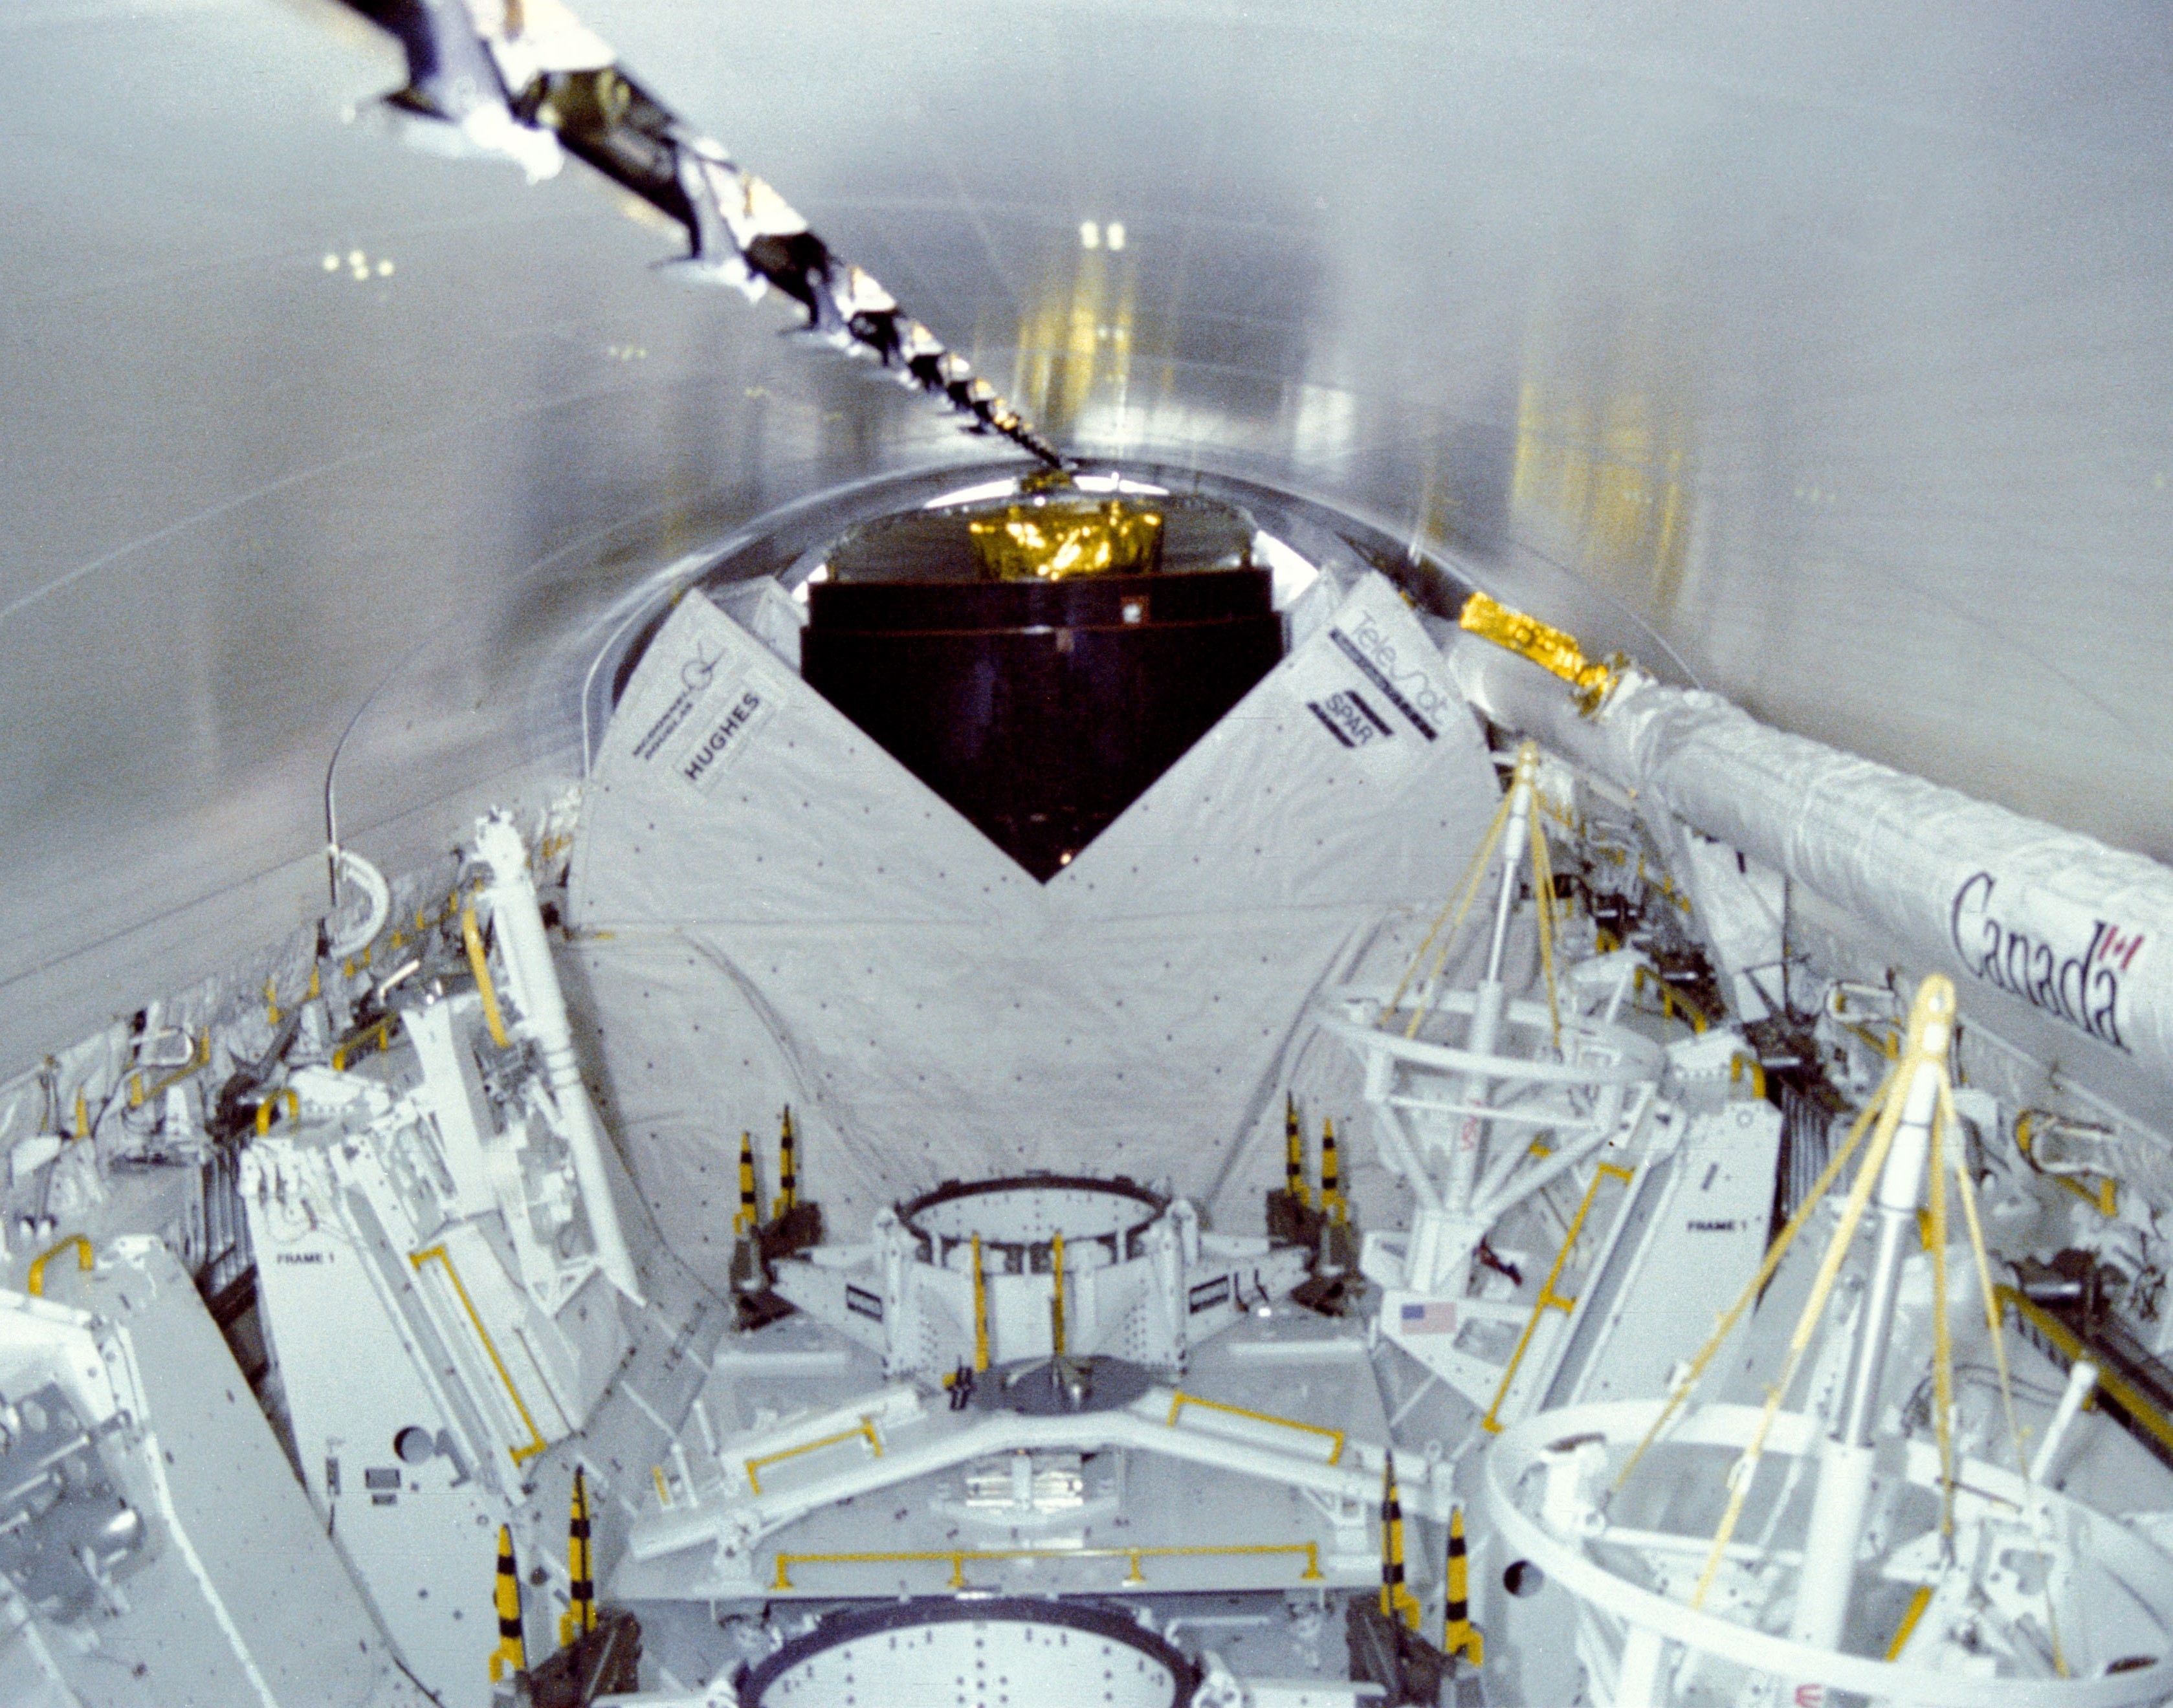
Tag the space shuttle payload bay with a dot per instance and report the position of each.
(1495, 1176)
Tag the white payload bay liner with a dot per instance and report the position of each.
(769, 908)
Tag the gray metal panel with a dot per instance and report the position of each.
(1833, 347)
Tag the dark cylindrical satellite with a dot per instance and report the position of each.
(1039, 661)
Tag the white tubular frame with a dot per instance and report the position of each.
(1662, 1621)
(739, 1523)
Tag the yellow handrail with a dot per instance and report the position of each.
(265, 1109)
(35, 1286)
(2106, 1200)
(2128, 1397)
(479, 964)
(536, 1444)
(1180, 1399)
(958, 1557)
(1890, 1047)
(1736, 1065)
(1915, 1611)
(1670, 1002)
(866, 1426)
(199, 1059)
(381, 1033)
(1491, 1422)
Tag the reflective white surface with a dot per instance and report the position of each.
(1831, 352)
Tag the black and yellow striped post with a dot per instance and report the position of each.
(1331, 1173)
(581, 1618)
(788, 1170)
(512, 1650)
(1397, 1600)
(1459, 1636)
(750, 1206)
(1294, 1154)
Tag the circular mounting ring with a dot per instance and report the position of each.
(1028, 1635)
(1010, 1210)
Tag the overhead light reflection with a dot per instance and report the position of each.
(973, 494)
(1075, 342)
(1118, 483)
(1610, 470)
(983, 491)
(359, 266)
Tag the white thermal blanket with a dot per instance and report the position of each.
(768, 908)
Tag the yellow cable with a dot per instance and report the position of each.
(1527, 759)
(1943, 1340)
(1996, 1328)
(1424, 1005)
(1746, 1465)
(1543, 884)
(1741, 1476)
(1991, 1307)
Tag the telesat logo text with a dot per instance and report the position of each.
(1412, 691)
(2077, 982)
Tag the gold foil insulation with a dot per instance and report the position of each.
(1550, 649)
(1056, 541)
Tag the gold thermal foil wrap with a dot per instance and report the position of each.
(1055, 541)
(1550, 649)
